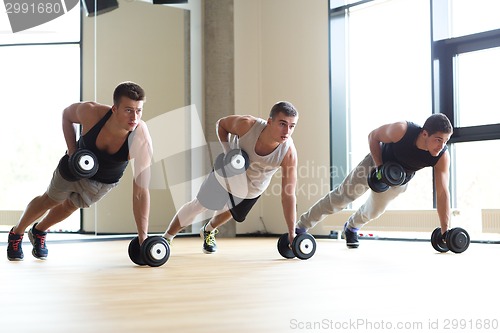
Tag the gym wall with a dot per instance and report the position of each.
(281, 53)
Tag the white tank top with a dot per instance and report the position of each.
(258, 175)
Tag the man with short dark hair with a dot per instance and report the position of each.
(114, 134)
(411, 146)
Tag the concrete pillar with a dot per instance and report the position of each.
(219, 73)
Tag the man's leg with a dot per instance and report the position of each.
(209, 231)
(38, 233)
(352, 187)
(374, 206)
(57, 214)
(239, 213)
(35, 209)
(183, 218)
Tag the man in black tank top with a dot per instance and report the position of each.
(414, 148)
(115, 134)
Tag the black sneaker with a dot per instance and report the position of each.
(209, 243)
(351, 237)
(37, 238)
(299, 231)
(14, 249)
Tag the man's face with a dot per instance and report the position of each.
(128, 112)
(436, 142)
(282, 127)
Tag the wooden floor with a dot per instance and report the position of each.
(247, 286)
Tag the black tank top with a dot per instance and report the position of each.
(111, 167)
(406, 152)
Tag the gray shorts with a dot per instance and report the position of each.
(82, 193)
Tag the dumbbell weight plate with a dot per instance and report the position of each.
(155, 251)
(304, 246)
(284, 247)
(437, 241)
(236, 162)
(458, 240)
(83, 163)
(134, 252)
(393, 174)
(219, 164)
(376, 185)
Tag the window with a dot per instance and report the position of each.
(469, 17)
(476, 192)
(40, 76)
(388, 80)
(478, 79)
(406, 59)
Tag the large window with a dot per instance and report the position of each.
(40, 76)
(404, 60)
(477, 83)
(476, 165)
(470, 17)
(388, 79)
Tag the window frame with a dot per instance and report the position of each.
(445, 52)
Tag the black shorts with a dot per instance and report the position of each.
(213, 196)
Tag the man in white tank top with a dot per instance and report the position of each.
(269, 146)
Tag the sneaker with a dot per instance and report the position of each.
(299, 231)
(37, 239)
(209, 243)
(351, 237)
(14, 249)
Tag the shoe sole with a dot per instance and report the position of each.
(33, 252)
(15, 259)
(350, 245)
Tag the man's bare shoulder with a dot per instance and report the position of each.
(89, 113)
(237, 124)
(93, 108)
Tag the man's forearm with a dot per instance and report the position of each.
(141, 206)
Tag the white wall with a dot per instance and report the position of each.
(281, 53)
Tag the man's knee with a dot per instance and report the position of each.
(69, 205)
(47, 201)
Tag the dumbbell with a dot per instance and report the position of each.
(456, 240)
(153, 252)
(82, 164)
(389, 174)
(235, 162)
(303, 246)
